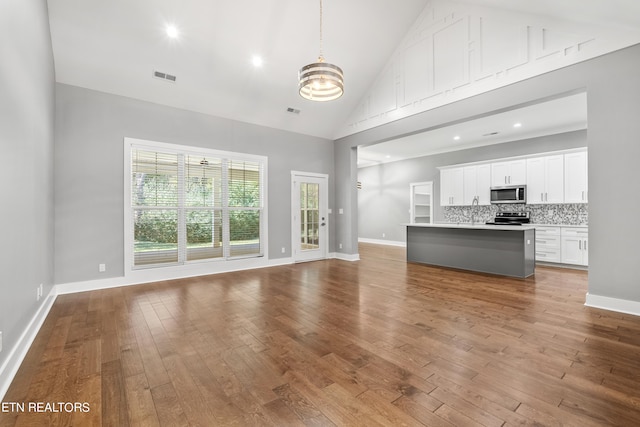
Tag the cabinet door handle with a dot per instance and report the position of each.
(541, 197)
(580, 244)
(585, 245)
(546, 197)
(583, 195)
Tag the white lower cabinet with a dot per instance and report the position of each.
(548, 244)
(565, 245)
(575, 245)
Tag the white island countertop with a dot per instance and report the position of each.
(479, 226)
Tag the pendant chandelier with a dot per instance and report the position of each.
(321, 81)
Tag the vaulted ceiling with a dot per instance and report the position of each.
(115, 46)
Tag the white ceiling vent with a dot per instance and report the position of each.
(164, 76)
(293, 110)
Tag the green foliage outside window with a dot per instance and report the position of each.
(158, 227)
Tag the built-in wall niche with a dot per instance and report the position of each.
(421, 207)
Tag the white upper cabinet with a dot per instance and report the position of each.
(545, 179)
(512, 172)
(451, 187)
(551, 178)
(477, 181)
(576, 189)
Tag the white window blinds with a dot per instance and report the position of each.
(191, 207)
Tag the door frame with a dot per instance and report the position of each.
(295, 222)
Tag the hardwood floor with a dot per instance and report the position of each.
(377, 342)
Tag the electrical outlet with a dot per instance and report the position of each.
(41, 290)
(384, 235)
(0, 341)
(38, 293)
(283, 250)
(340, 246)
(102, 268)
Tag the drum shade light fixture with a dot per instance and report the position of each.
(321, 81)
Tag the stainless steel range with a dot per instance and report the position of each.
(511, 218)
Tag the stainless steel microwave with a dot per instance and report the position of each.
(509, 194)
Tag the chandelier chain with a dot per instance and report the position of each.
(321, 54)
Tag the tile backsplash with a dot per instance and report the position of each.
(560, 214)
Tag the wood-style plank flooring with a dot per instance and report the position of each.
(377, 342)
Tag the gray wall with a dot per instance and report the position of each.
(26, 164)
(383, 201)
(612, 86)
(89, 171)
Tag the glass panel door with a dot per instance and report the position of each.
(309, 217)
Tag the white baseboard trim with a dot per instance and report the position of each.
(344, 257)
(12, 363)
(138, 277)
(382, 242)
(613, 304)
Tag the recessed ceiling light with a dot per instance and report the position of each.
(517, 125)
(172, 31)
(456, 138)
(257, 61)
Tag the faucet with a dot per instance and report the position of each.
(475, 204)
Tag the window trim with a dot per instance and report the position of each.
(134, 143)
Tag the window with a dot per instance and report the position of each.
(190, 204)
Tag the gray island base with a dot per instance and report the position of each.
(503, 250)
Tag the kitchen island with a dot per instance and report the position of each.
(498, 249)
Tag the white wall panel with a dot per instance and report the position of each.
(384, 93)
(451, 56)
(501, 45)
(553, 42)
(417, 72)
(455, 51)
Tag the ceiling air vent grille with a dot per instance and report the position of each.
(164, 76)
